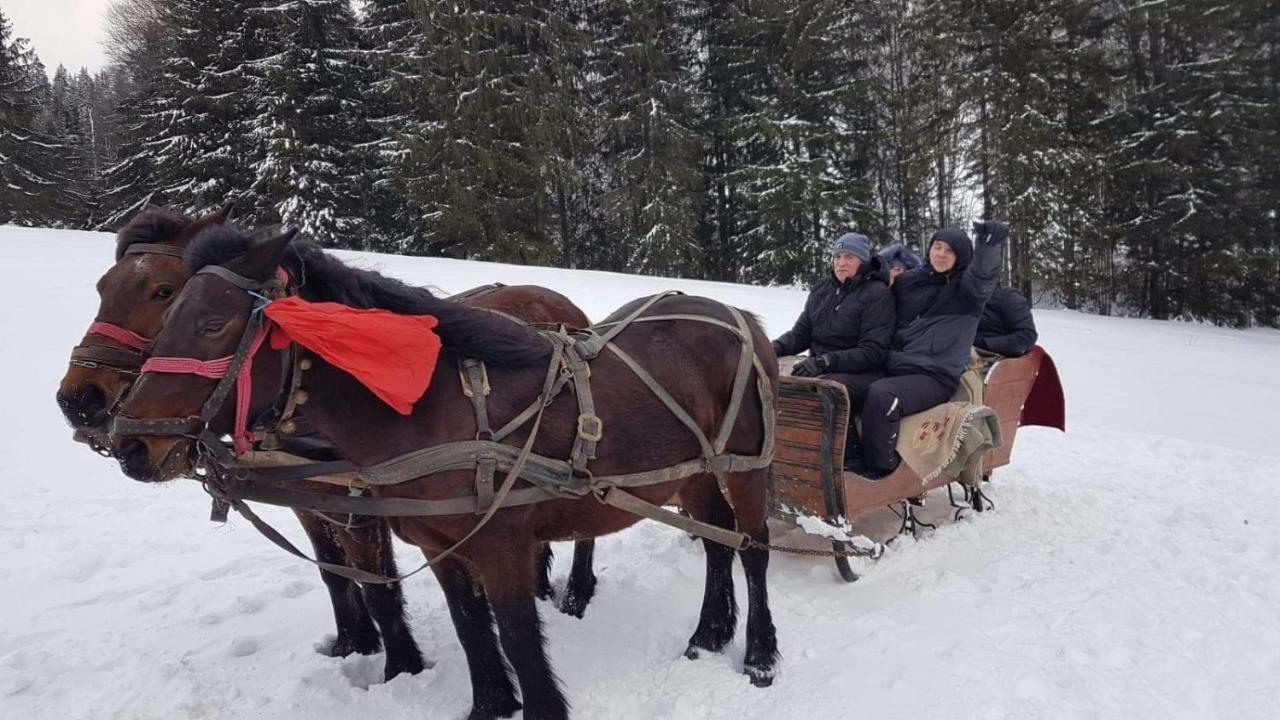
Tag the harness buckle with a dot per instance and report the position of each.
(465, 375)
(590, 428)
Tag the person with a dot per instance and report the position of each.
(898, 258)
(846, 325)
(1006, 327)
(937, 309)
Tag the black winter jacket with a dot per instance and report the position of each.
(851, 323)
(1006, 326)
(937, 313)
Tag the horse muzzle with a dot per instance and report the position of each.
(136, 456)
(85, 407)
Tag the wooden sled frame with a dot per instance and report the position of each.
(808, 474)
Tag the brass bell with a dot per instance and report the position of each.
(288, 427)
(304, 364)
(300, 397)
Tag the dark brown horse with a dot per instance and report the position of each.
(495, 569)
(134, 294)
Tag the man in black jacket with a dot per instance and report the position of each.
(846, 325)
(1006, 327)
(937, 309)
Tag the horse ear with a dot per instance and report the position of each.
(223, 213)
(264, 257)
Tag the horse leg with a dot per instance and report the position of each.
(582, 580)
(508, 575)
(368, 545)
(545, 591)
(749, 491)
(492, 694)
(718, 620)
(356, 632)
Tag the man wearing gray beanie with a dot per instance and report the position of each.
(846, 326)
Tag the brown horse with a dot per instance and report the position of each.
(134, 293)
(495, 569)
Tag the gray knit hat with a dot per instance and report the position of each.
(853, 243)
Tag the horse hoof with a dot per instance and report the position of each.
(759, 677)
(344, 647)
(412, 666)
(576, 601)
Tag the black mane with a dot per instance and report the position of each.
(320, 277)
(153, 225)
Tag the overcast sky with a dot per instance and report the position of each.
(62, 31)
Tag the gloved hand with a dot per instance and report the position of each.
(811, 367)
(777, 348)
(991, 232)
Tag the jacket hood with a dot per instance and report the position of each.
(960, 244)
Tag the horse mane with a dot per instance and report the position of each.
(320, 277)
(153, 225)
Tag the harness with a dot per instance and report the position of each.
(256, 476)
(127, 359)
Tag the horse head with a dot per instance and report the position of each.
(208, 334)
(133, 295)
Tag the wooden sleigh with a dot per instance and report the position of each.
(808, 474)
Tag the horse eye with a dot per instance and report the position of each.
(163, 293)
(213, 327)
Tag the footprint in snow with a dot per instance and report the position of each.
(244, 647)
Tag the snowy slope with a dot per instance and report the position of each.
(1132, 568)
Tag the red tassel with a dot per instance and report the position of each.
(392, 355)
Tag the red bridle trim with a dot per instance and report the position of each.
(120, 335)
(216, 370)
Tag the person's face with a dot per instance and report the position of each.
(941, 256)
(845, 265)
(894, 272)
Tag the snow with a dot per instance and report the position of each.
(1130, 570)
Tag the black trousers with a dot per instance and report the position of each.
(857, 384)
(890, 399)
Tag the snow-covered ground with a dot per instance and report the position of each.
(1132, 568)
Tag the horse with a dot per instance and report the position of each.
(491, 576)
(136, 290)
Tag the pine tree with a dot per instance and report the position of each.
(312, 175)
(183, 127)
(32, 189)
(503, 129)
(642, 64)
(392, 50)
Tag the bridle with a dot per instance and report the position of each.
(231, 371)
(125, 360)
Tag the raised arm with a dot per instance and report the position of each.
(983, 273)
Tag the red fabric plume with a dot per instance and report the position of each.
(392, 355)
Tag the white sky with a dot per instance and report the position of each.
(61, 31)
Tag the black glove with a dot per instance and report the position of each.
(812, 367)
(777, 348)
(991, 232)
